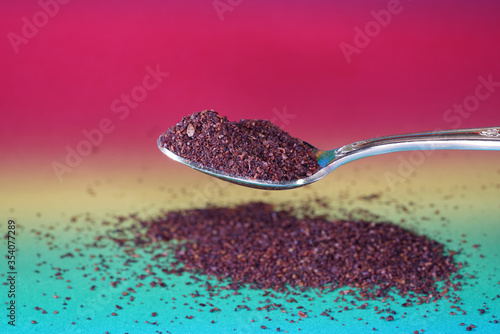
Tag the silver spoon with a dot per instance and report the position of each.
(465, 139)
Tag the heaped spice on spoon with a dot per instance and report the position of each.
(255, 149)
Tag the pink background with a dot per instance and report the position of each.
(259, 59)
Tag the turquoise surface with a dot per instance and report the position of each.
(74, 293)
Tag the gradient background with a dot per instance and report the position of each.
(259, 59)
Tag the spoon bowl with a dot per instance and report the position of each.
(329, 160)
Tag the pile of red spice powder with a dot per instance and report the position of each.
(257, 245)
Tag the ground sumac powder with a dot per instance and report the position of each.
(255, 149)
(263, 247)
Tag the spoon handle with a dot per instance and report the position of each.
(464, 139)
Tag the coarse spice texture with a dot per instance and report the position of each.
(260, 246)
(255, 149)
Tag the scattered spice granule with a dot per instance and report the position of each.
(389, 318)
(255, 149)
(302, 314)
(263, 327)
(189, 316)
(482, 311)
(33, 322)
